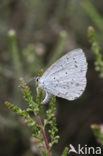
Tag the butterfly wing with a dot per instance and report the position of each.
(66, 78)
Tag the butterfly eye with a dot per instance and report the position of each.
(37, 79)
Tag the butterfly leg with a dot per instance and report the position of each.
(47, 98)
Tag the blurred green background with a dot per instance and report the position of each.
(33, 34)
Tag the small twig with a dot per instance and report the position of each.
(44, 135)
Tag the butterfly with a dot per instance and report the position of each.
(66, 78)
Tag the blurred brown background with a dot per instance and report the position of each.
(33, 34)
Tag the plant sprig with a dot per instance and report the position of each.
(97, 130)
(96, 50)
(50, 113)
(38, 127)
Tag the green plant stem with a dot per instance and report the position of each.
(92, 12)
(15, 53)
(17, 65)
(98, 132)
(59, 47)
(65, 152)
(96, 50)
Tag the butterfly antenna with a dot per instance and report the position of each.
(34, 78)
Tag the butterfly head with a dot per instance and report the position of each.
(36, 80)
